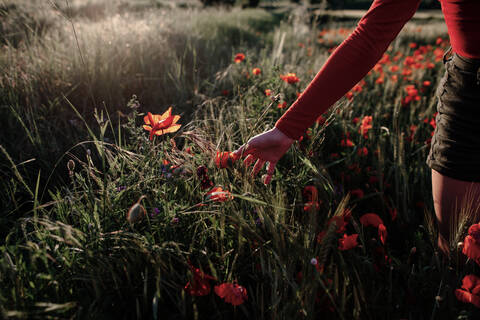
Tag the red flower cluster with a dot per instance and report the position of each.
(290, 78)
(365, 126)
(412, 95)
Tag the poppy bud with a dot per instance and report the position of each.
(71, 165)
(136, 212)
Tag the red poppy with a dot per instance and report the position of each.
(232, 293)
(365, 126)
(200, 285)
(219, 195)
(160, 124)
(268, 92)
(470, 290)
(347, 143)
(471, 248)
(382, 233)
(282, 105)
(256, 71)
(239, 57)
(341, 221)
(290, 78)
(371, 219)
(225, 159)
(348, 242)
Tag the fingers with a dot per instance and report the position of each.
(257, 167)
(270, 171)
(249, 160)
(243, 151)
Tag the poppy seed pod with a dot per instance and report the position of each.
(71, 165)
(136, 212)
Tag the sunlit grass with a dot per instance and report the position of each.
(69, 249)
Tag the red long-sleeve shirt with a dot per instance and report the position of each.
(357, 54)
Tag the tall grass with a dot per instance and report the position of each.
(69, 249)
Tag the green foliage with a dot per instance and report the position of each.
(71, 167)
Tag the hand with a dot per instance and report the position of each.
(269, 147)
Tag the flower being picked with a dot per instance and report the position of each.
(160, 124)
(225, 159)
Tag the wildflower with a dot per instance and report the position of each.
(412, 95)
(282, 105)
(268, 92)
(290, 78)
(239, 57)
(394, 68)
(121, 188)
(348, 242)
(225, 92)
(200, 285)
(219, 195)
(365, 126)
(469, 291)
(232, 293)
(311, 194)
(175, 220)
(225, 159)
(136, 211)
(155, 212)
(471, 244)
(346, 143)
(256, 71)
(161, 124)
(372, 219)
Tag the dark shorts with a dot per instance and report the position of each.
(455, 147)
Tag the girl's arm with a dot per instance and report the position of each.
(349, 63)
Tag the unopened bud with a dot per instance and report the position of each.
(71, 165)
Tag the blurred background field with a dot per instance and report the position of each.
(76, 80)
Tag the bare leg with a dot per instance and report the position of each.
(454, 201)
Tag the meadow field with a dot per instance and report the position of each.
(102, 218)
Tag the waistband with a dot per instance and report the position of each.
(467, 64)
